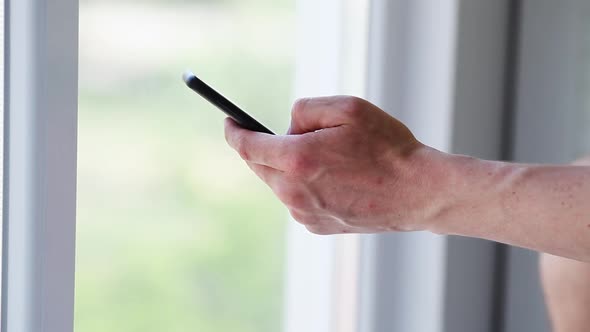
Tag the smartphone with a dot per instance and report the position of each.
(226, 106)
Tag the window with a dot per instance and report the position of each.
(174, 233)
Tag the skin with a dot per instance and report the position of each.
(346, 166)
(566, 284)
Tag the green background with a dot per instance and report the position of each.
(174, 231)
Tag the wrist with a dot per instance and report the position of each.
(471, 195)
(435, 178)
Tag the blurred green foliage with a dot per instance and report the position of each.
(174, 232)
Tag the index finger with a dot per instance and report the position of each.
(258, 148)
(310, 114)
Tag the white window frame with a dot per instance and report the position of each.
(41, 55)
(322, 272)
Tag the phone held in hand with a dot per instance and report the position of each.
(226, 106)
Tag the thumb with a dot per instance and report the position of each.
(311, 114)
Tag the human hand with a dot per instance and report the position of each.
(344, 166)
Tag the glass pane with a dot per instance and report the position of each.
(174, 232)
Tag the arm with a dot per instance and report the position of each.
(543, 208)
(346, 166)
(566, 284)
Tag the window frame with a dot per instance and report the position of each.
(329, 61)
(40, 116)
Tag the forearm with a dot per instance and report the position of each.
(544, 208)
(566, 284)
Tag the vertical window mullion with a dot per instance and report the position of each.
(322, 272)
(40, 160)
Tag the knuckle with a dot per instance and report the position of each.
(299, 107)
(319, 230)
(292, 198)
(241, 147)
(304, 219)
(352, 107)
(296, 215)
(300, 163)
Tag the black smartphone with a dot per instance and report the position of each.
(226, 106)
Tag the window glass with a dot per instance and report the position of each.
(174, 233)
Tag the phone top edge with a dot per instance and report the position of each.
(188, 76)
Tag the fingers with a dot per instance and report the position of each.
(267, 174)
(257, 148)
(315, 224)
(290, 154)
(322, 224)
(311, 114)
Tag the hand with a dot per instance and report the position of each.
(345, 166)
